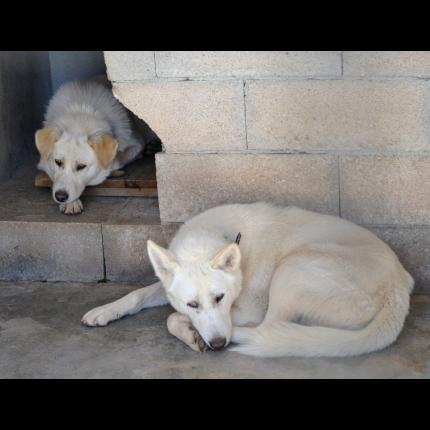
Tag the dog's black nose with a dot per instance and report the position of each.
(218, 342)
(61, 196)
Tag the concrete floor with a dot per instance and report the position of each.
(22, 201)
(41, 337)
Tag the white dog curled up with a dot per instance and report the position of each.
(87, 135)
(299, 283)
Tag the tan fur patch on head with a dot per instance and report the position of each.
(105, 147)
(45, 140)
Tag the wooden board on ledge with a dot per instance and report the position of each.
(138, 181)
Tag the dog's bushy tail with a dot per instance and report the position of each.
(290, 339)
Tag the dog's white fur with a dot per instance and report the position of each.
(299, 284)
(84, 124)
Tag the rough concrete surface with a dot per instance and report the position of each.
(386, 63)
(41, 337)
(129, 65)
(50, 251)
(309, 181)
(259, 64)
(387, 189)
(125, 251)
(412, 246)
(22, 201)
(24, 92)
(189, 115)
(372, 115)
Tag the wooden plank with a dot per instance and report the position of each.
(120, 187)
(43, 180)
(121, 192)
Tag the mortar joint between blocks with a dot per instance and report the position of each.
(103, 255)
(341, 63)
(155, 64)
(339, 185)
(244, 113)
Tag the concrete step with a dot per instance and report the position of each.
(106, 242)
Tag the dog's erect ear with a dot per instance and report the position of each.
(105, 147)
(163, 261)
(45, 140)
(228, 258)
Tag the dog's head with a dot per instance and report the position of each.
(203, 289)
(72, 162)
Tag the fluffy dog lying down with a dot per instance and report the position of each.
(87, 134)
(298, 283)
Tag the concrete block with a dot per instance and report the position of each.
(50, 251)
(386, 63)
(412, 246)
(189, 115)
(129, 65)
(337, 114)
(125, 249)
(218, 64)
(191, 183)
(385, 189)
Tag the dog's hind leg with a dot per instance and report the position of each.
(146, 297)
(180, 326)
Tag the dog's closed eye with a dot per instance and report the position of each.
(80, 166)
(193, 304)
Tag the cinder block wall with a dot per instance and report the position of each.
(345, 133)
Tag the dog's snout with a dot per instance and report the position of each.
(218, 343)
(61, 195)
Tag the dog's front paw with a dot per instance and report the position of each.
(72, 208)
(180, 326)
(197, 344)
(100, 316)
